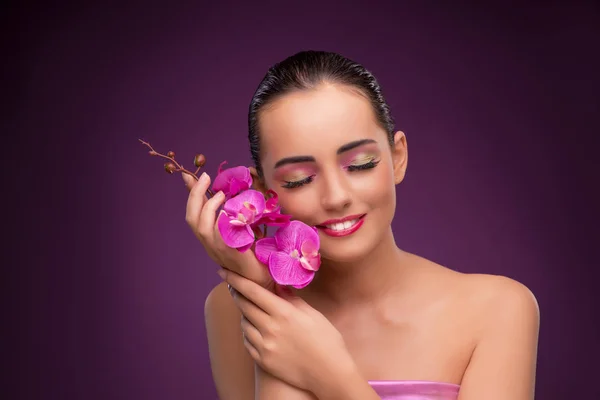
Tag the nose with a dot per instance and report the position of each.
(336, 193)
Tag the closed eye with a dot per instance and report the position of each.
(368, 165)
(295, 184)
(361, 167)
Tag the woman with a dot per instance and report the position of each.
(376, 321)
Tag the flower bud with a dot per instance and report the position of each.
(152, 153)
(170, 168)
(199, 160)
(171, 154)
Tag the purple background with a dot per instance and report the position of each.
(500, 108)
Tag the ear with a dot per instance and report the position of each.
(399, 156)
(257, 182)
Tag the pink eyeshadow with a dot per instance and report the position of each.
(290, 172)
(368, 151)
(359, 157)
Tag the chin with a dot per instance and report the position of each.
(341, 255)
(350, 250)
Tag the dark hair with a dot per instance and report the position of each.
(306, 70)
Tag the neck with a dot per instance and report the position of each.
(361, 280)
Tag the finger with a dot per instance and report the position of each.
(188, 180)
(251, 349)
(251, 333)
(250, 311)
(286, 293)
(207, 218)
(255, 293)
(196, 200)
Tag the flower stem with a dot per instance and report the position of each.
(180, 167)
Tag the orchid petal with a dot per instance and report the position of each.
(264, 248)
(286, 270)
(311, 263)
(254, 197)
(274, 219)
(221, 167)
(272, 202)
(248, 213)
(234, 187)
(291, 236)
(237, 222)
(242, 174)
(234, 236)
(309, 249)
(245, 248)
(304, 284)
(232, 181)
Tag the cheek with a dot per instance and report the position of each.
(300, 204)
(378, 188)
(380, 196)
(300, 207)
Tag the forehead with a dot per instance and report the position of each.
(315, 122)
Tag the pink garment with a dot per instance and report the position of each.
(415, 390)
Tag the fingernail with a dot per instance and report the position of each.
(222, 274)
(203, 178)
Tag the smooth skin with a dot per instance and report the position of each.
(373, 311)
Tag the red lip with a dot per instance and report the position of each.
(335, 221)
(345, 232)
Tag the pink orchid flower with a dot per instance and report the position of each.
(292, 255)
(237, 218)
(232, 180)
(243, 214)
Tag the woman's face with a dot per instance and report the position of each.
(332, 166)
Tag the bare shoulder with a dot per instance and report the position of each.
(218, 300)
(231, 365)
(500, 291)
(505, 322)
(489, 299)
(498, 300)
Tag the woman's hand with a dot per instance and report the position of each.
(201, 216)
(288, 338)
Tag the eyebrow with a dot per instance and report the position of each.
(294, 160)
(342, 149)
(353, 145)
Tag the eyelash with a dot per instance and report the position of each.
(367, 165)
(295, 184)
